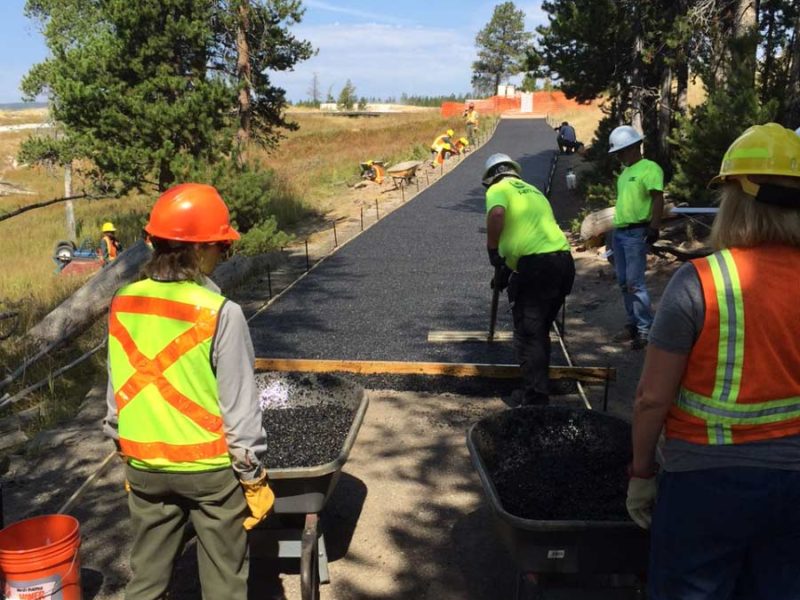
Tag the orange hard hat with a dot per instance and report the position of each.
(191, 212)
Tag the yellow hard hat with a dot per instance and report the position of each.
(450, 132)
(769, 149)
(108, 227)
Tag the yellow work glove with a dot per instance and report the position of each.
(259, 499)
(640, 500)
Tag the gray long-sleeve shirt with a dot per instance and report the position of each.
(233, 358)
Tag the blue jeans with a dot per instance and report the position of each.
(728, 533)
(630, 262)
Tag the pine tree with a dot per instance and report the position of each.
(502, 46)
(140, 88)
(347, 97)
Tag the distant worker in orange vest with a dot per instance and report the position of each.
(110, 246)
(471, 117)
(183, 403)
(722, 379)
(442, 147)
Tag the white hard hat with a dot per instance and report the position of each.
(489, 171)
(797, 131)
(622, 137)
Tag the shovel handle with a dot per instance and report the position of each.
(495, 301)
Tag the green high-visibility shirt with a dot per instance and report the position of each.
(530, 227)
(634, 184)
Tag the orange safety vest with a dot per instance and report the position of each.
(111, 247)
(742, 379)
(160, 341)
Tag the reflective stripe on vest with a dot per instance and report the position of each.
(160, 340)
(111, 248)
(715, 405)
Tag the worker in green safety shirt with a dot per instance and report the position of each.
(640, 202)
(533, 256)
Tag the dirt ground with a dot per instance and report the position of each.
(407, 519)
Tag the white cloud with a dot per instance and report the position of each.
(382, 60)
(369, 16)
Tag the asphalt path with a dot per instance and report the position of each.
(422, 267)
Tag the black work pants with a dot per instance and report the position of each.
(536, 292)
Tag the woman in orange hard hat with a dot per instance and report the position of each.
(722, 379)
(183, 403)
(109, 244)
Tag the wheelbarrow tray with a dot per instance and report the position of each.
(404, 169)
(561, 546)
(302, 490)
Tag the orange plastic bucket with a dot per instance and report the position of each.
(39, 559)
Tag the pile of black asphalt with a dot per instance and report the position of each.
(422, 267)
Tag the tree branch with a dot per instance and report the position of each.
(24, 209)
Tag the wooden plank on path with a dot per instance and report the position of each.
(453, 337)
(387, 367)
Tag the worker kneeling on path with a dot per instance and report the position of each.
(183, 403)
(442, 147)
(722, 377)
(109, 244)
(533, 256)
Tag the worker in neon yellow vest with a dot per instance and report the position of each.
(183, 403)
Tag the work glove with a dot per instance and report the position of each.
(501, 277)
(640, 500)
(260, 499)
(652, 235)
(495, 259)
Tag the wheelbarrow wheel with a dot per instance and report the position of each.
(309, 559)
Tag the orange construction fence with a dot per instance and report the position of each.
(543, 102)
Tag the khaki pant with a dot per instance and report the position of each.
(161, 505)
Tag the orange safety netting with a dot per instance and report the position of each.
(543, 102)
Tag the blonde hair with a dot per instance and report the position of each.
(743, 221)
(173, 261)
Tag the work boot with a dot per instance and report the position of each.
(627, 334)
(639, 341)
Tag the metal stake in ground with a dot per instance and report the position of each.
(307, 265)
(362, 218)
(335, 238)
(377, 213)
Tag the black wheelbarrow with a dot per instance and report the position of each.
(555, 480)
(294, 529)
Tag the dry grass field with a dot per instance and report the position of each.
(316, 162)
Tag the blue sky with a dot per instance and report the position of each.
(385, 48)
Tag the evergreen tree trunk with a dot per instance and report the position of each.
(636, 75)
(793, 85)
(770, 50)
(243, 72)
(746, 33)
(682, 92)
(665, 117)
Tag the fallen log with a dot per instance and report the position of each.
(599, 222)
